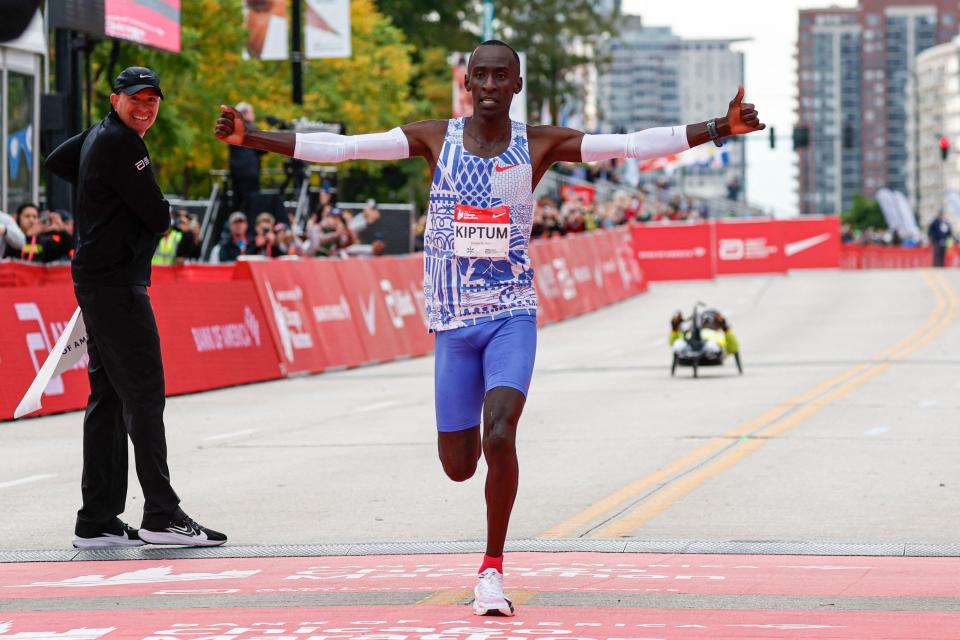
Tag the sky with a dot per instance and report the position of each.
(770, 76)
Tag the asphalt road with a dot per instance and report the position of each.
(843, 429)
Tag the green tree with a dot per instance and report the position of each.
(557, 36)
(863, 214)
(367, 92)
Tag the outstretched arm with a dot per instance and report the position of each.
(417, 139)
(559, 144)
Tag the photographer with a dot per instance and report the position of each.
(265, 238)
(245, 162)
(330, 235)
(188, 225)
(46, 236)
(180, 242)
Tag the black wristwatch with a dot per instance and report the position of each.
(714, 134)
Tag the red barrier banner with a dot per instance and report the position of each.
(594, 249)
(854, 256)
(674, 251)
(749, 247)
(212, 335)
(633, 276)
(545, 282)
(573, 192)
(259, 320)
(569, 302)
(31, 320)
(396, 283)
(371, 317)
(281, 287)
(811, 242)
(28, 274)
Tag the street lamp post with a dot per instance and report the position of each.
(488, 14)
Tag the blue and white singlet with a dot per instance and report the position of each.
(476, 263)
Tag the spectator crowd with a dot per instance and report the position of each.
(32, 235)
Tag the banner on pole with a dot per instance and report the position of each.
(328, 29)
(267, 29)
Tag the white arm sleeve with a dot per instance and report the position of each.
(642, 145)
(330, 147)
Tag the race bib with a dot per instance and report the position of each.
(481, 233)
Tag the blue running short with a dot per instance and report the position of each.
(470, 361)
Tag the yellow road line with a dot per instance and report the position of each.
(665, 498)
(636, 488)
(447, 596)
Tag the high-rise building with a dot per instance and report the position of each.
(654, 78)
(853, 68)
(934, 116)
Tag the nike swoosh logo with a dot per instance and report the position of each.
(187, 531)
(498, 215)
(498, 168)
(793, 248)
(143, 76)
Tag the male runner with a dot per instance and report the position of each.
(478, 282)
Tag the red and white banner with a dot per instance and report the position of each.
(749, 247)
(675, 251)
(812, 242)
(853, 256)
(584, 193)
(723, 247)
(212, 335)
(260, 320)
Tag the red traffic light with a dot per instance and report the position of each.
(944, 142)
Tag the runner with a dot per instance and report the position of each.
(478, 282)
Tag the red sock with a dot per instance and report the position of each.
(494, 563)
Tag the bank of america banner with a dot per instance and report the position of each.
(327, 29)
(267, 29)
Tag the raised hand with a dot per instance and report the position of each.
(230, 126)
(742, 117)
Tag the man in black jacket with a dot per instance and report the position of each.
(120, 214)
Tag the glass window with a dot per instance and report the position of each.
(20, 101)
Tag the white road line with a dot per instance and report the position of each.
(13, 483)
(224, 436)
(376, 406)
(876, 431)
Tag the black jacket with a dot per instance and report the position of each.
(119, 209)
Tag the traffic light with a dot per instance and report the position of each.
(944, 147)
(801, 137)
(773, 139)
(848, 137)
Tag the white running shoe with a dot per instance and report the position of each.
(488, 595)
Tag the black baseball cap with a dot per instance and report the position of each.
(134, 79)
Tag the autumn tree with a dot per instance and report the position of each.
(367, 92)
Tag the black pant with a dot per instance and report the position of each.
(126, 399)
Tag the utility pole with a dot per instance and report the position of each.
(296, 53)
(62, 116)
(488, 14)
